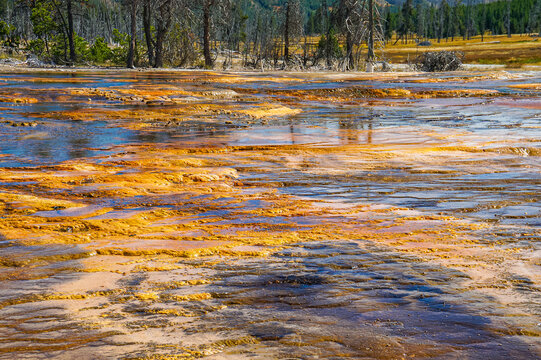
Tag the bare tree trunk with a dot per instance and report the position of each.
(305, 52)
(71, 34)
(206, 32)
(370, 55)
(47, 46)
(163, 21)
(286, 33)
(133, 30)
(158, 59)
(349, 50)
(64, 30)
(326, 29)
(65, 47)
(148, 33)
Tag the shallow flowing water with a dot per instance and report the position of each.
(313, 216)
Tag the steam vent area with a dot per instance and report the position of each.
(193, 214)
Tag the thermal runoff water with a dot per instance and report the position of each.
(179, 215)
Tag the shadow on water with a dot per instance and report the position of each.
(357, 299)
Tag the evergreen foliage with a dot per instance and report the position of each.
(263, 32)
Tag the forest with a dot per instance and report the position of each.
(259, 34)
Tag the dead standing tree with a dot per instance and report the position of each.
(133, 33)
(163, 22)
(157, 14)
(341, 17)
(293, 25)
(360, 21)
(230, 27)
(71, 32)
(211, 7)
(147, 26)
(207, 7)
(370, 56)
(264, 35)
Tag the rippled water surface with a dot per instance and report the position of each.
(291, 216)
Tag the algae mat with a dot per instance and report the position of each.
(180, 215)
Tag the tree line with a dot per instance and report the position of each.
(259, 34)
(455, 18)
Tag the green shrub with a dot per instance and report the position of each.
(7, 35)
(100, 51)
(44, 28)
(82, 50)
(59, 49)
(119, 53)
(43, 24)
(37, 47)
